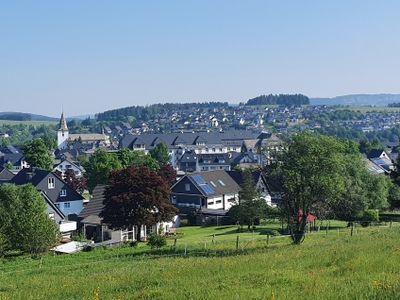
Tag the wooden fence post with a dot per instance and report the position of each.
(237, 242)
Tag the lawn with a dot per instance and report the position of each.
(328, 265)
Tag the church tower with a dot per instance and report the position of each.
(62, 133)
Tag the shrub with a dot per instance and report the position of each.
(370, 215)
(157, 241)
(272, 232)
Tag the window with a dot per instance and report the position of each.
(213, 184)
(67, 205)
(218, 201)
(187, 187)
(51, 183)
(210, 202)
(221, 182)
(58, 205)
(173, 199)
(51, 216)
(68, 166)
(63, 193)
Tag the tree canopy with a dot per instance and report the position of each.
(281, 99)
(24, 223)
(161, 154)
(326, 177)
(37, 155)
(101, 163)
(251, 206)
(136, 196)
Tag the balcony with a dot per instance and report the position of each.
(67, 226)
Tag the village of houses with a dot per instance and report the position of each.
(208, 179)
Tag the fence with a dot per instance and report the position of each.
(215, 246)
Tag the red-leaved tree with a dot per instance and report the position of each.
(168, 173)
(136, 196)
(79, 184)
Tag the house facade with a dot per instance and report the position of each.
(213, 190)
(66, 199)
(198, 142)
(67, 164)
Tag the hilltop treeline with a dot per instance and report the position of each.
(281, 99)
(148, 112)
(15, 117)
(396, 104)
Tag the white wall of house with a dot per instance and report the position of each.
(215, 202)
(65, 165)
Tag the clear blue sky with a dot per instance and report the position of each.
(89, 56)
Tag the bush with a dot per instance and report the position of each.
(370, 215)
(156, 241)
(78, 236)
(272, 232)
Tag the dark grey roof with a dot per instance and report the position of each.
(189, 156)
(172, 140)
(219, 181)
(5, 175)
(38, 178)
(250, 155)
(10, 150)
(239, 176)
(12, 158)
(374, 153)
(53, 206)
(95, 205)
(215, 159)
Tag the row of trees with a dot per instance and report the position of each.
(281, 99)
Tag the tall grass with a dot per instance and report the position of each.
(330, 265)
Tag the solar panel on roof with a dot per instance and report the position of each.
(199, 179)
(207, 189)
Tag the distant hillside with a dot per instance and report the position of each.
(18, 116)
(358, 100)
(281, 99)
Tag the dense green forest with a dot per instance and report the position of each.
(281, 99)
(146, 113)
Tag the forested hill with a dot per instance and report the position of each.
(281, 99)
(148, 112)
(19, 116)
(358, 100)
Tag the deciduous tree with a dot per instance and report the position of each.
(24, 220)
(79, 184)
(161, 154)
(37, 155)
(311, 167)
(136, 196)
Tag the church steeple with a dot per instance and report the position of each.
(62, 133)
(63, 123)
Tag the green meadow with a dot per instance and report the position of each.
(219, 263)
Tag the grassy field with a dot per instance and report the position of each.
(364, 109)
(328, 265)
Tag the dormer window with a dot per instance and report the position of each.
(51, 183)
(187, 187)
(63, 193)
